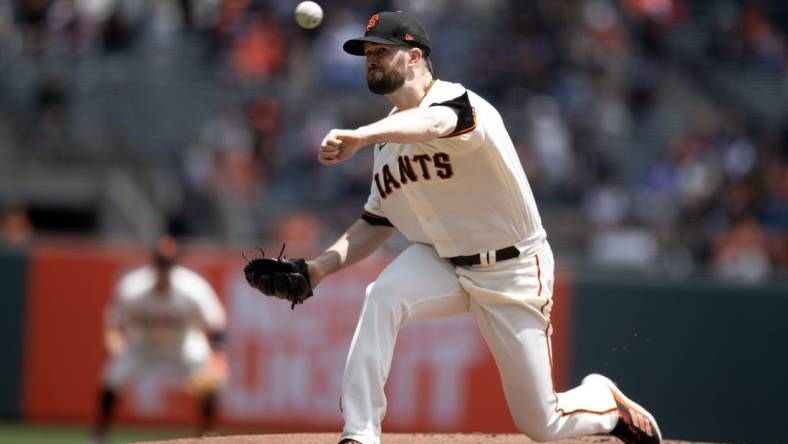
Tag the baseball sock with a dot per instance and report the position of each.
(107, 401)
(207, 412)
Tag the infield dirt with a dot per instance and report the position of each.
(389, 438)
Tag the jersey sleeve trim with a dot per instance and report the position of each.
(466, 114)
(374, 219)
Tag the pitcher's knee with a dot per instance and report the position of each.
(539, 436)
(538, 429)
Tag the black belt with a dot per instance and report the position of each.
(476, 259)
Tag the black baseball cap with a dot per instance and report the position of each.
(391, 28)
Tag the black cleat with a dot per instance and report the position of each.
(635, 424)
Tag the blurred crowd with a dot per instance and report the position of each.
(654, 132)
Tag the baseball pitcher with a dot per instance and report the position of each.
(446, 175)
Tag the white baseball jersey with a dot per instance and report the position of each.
(171, 325)
(464, 193)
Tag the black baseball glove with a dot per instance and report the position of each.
(280, 277)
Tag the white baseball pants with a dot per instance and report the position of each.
(181, 363)
(511, 302)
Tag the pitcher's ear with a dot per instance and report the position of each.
(416, 54)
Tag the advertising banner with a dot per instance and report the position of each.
(285, 365)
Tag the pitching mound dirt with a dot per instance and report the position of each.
(388, 438)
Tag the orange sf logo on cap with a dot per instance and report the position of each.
(408, 37)
(372, 22)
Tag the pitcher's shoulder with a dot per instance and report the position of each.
(442, 91)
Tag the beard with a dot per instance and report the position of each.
(389, 82)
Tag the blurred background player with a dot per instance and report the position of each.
(168, 318)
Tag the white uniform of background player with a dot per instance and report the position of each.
(447, 176)
(168, 319)
(163, 331)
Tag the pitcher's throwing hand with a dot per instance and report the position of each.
(339, 145)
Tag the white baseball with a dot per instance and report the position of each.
(308, 14)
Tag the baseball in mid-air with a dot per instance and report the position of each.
(308, 14)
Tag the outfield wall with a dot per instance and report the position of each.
(707, 358)
(286, 365)
(13, 279)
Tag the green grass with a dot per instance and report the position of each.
(20, 433)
